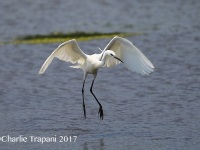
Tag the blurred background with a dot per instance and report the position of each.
(42, 17)
(160, 111)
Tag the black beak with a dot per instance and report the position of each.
(118, 59)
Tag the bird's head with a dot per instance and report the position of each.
(111, 53)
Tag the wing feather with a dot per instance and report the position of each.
(68, 51)
(132, 57)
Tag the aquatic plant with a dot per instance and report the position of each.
(58, 37)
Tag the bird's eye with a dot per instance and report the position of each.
(111, 54)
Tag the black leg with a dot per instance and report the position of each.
(100, 106)
(83, 99)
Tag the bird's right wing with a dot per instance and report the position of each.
(68, 51)
(132, 57)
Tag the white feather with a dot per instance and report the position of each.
(132, 57)
(68, 51)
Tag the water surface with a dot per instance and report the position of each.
(160, 111)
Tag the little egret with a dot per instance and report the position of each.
(119, 50)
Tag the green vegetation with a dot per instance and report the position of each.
(57, 37)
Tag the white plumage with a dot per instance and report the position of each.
(118, 50)
(132, 57)
(68, 51)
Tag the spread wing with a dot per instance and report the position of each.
(132, 57)
(68, 51)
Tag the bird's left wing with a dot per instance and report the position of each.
(132, 57)
(68, 51)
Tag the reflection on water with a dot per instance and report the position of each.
(97, 145)
(160, 111)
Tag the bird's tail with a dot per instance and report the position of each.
(77, 66)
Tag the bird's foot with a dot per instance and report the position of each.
(84, 111)
(100, 112)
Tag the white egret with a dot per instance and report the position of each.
(118, 50)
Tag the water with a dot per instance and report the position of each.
(160, 111)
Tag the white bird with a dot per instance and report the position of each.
(118, 50)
